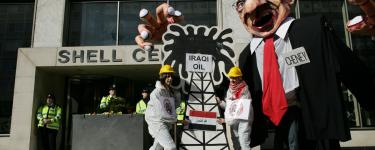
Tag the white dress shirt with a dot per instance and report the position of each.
(282, 45)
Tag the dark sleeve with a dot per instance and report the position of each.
(248, 66)
(353, 73)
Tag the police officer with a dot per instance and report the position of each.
(180, 111)
(49, 116)
(142, 104)
(140, 109)
(104, 103)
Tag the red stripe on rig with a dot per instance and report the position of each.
(203, 114)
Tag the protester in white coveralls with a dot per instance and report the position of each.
(160, 114)
(238, 110)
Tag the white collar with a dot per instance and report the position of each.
(158, 85)
(281, 32)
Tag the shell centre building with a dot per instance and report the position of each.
(76, 49)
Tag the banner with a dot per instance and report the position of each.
(238, 109)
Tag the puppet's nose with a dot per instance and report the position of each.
(251, 5)
(275, 2)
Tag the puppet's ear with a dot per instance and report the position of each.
(290, 2)
(277, 2)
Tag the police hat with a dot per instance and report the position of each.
(144, 90)
(50, 96)
(112, 88)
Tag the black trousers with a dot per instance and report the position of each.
(48, 137)
(179, 131)
(287, 131)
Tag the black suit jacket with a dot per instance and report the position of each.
(320, 94)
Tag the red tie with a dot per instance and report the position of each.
(273, 101)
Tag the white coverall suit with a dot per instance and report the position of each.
(161, 116)
(240, 129)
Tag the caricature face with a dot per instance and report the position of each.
(262, 17)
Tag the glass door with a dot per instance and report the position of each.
(83, 97)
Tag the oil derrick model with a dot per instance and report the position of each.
(201, 56)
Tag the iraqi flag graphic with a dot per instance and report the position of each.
(202, 120)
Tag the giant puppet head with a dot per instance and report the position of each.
(263, 17)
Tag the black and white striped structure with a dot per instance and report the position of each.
(179, 43)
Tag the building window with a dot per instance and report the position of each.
(115, 22)
(93, 24)
(15, 31)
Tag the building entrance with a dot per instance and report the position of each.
(83, 97)
(84, 94)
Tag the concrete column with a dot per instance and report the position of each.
(230, 19)
(22, 104)
(30, 89)
(48, 23)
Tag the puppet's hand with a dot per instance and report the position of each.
(363, 25)
(359, 26)
(153, 30)
(357, 2)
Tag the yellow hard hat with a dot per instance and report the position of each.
(166, 69)
(235, 72)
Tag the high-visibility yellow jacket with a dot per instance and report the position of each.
(180, 111)
(104, 103)
(53, 113)
(141, 107)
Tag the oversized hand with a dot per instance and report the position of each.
(153, 30)
(363, 25)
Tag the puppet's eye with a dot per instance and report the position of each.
(238, 5)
